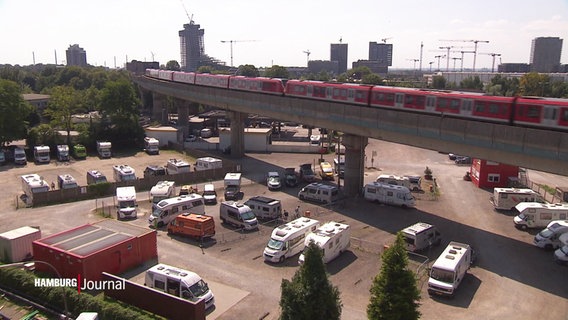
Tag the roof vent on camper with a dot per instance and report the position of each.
(450, 257)
(183, 274)
(161, 268)
(453, 251)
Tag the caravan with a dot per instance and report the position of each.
(208, 163)
(66, 181)
(449, 269)
(332, 238)
(508, 198)
(539, 215)
(389, 194)
(288, 239)
(166, 210)
(264, 207)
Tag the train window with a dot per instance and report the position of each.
(310, 90)
(454, 104)
(550, 113)
(359, 95)
(319, 92)
(343, 92)
(442, 103)
(479, 107)
(351, 93)
(430, 101)
(409, 100)
(419, 100)
(565, 115)
(493, 108)
(399, 97)
(533, 111)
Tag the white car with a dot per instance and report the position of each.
(273, 180)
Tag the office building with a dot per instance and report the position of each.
(545, 54)
(338, 52)
(76, 56)
(381, 52)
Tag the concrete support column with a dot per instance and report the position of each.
(183, 113)
(159, 108)
(237, 133)
(354, 163)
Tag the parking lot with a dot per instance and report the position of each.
(511, 279)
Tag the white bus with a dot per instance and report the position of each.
(508, 198)
(166, 210)
(288, 239)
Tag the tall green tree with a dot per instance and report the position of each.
(277, 71)
(310, 295)
(438, 82)
(13, 112)
(372, 78)
(119, 104)
(173, 65)
(358, 73)
(62, 105)
(248, 70)
(472, 83)
(535, 84)
(394, 293)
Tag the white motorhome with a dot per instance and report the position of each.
(264, 207)
(126, 202)
(232, 184)
(319, 192)
(151, 145)
(389, 194)
(238, 214)
(180, 283)
(561, 254)
(288, 239)
(549, 238)
(208, 163)
(123, 173)
(508, 198)
(394, 180)
(32, 184)
(420, 236)
(104, 149)
(66, 181)
(209, 194)
(95, 176)
(168, 209)
(332, 238)
(162, 190)
(539, 215)
(449, 269)
(41, 154)
(63, 152)
(175, 166)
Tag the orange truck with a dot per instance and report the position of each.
(193, 225)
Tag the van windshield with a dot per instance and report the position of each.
(442, 275)
(156, 213)
(247, 215)
(275, 244)
(127, 204)
(199, 288)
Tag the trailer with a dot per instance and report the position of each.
(420, 236)
(389, 194)
(32, 184)
(123, 173)
(287, 240)
(232, 184)
(126, 202)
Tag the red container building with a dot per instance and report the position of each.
(489, 174)
(88, 250)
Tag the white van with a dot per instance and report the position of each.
(208, 163)
(166, 210)
(288, 239)
(238, 214)
(549, 238)
(319, 192)
(126, 202)
(421, 235)
(180, 283)
(508, 198)
(389, 194)
(332, 238)
(209, 194)
(264, 207)
(449, 269)
(539, 215)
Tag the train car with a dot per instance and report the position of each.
(257, 84)
(184, 77)
(212, 80)
(339, 92)
(165, 75)
(154, 73)
(542, 112)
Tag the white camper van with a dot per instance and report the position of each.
(539, 215)
(32, 184)
(288, 239)
(389, 194)
(549, 238)
(561, 254)
(394, 180)
(180, 283)
(508, 198)
(41, 154)
(264, 207)
(175, 166)
(209, 194)
(319, 192)
(208, 163)
(420, 236)
(126, 202)
(238, 214)
(162, 190)
(168, 209)
(123, 173)
(66, 181)
(151, 145)
(449, 269)
(332, 238)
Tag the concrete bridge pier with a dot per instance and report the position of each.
(354, 163)
(183, 114)
(159, 108)
(237, 133)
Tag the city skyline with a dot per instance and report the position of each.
(148, 30)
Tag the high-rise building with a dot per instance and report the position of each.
(76, 56)
(191, 46)
(545, 54)
(381, 52)
(338, 52)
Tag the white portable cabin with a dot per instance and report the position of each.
(41, 154)
(264, 207)
(319, 192)
(421, 235)
(549, 238)
(508, 198)
(16, 245)
(162, 190)
(180, 283)
(288, 239)
(208, 163)
(332, 238)
(123, 173)
(175, 166)
(126, 202)
(389, 194)
(449, 269)
(539, 215)
(104, 149)
(167, 210)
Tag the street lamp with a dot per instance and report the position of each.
(23, 264)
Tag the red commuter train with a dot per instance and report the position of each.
(545, 113)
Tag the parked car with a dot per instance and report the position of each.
(463, 160)
(273, 180)
(191, 138)
(290, 177)
(452, 156)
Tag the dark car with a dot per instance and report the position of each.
(463, 160)
(290, 177)
(306, 173)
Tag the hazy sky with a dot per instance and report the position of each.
(282, 30)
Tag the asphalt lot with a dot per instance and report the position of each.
(512, 279)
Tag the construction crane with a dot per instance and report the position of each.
(384, 40)
(447, 56)
(186, 13)
(307, 52)
(493, 55)
(231, 43)
(475, 42)
(438, 57)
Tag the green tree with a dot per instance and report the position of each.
(13, 112)
(277, 71)
(358, 73)
(173, 65)
(120, 104)
(42, 134)
(502, 86)
(62, 105)
(472, 83)
(394, 293)
(310, 295)
(205, 69)
(372, 78)
(535, 84)
(248, 70)
(438, 82)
